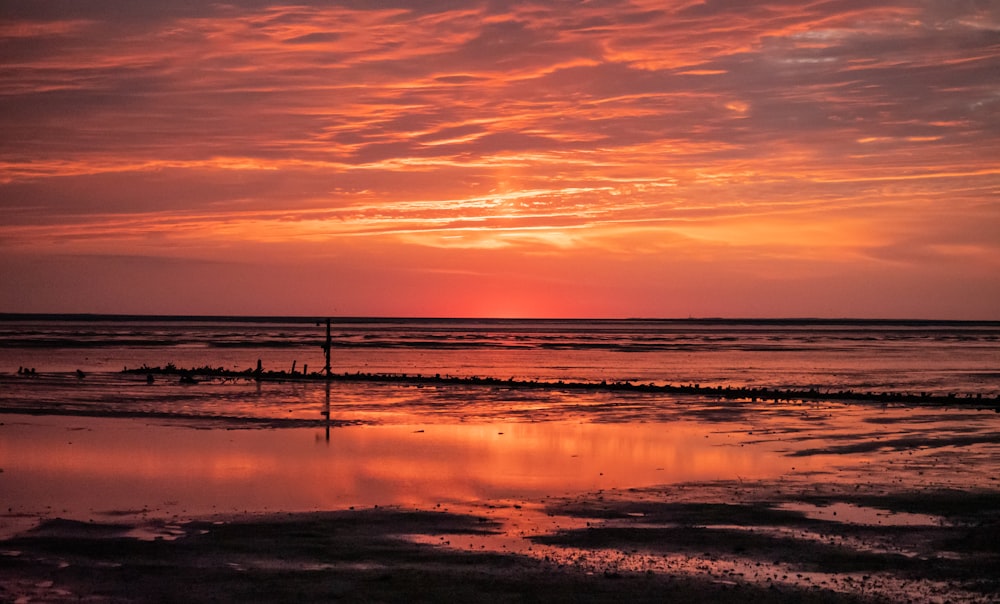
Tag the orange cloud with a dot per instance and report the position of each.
(839, 134)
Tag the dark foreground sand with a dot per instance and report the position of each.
(722, 542)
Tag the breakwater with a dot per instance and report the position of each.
(731, 392)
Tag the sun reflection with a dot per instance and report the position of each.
(401, 464)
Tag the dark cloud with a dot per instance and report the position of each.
(791, 84)
(315, 38)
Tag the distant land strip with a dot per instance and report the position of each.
(728, 392)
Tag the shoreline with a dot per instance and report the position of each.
(229, 421)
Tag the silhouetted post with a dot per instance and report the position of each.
(326, 349)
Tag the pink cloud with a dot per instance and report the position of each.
(521, 129)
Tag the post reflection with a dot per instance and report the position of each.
(326, 411)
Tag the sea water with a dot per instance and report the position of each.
(105, 444)
(881, 356)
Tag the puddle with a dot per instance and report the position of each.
(520, 523)
(848, 513)
(157, 532)
(168, 471)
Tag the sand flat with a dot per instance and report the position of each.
(503, 495)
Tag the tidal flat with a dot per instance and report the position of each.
(119, 490)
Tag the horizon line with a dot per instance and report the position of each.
(90, 316)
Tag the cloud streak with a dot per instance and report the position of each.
(841, 131)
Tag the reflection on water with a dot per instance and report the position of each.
(83, 467)
(861, 515)
(168, 449)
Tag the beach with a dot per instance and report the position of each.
(143, 486)
(642, 546)
(771, 501)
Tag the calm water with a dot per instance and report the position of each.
(937, 357)
(111, 444)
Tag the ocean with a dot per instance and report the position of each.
(937, 357)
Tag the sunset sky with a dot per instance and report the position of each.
(605, 158)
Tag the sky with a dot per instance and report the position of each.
(604, 158)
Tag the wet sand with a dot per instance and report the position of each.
(723, 542)
(866, 503)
